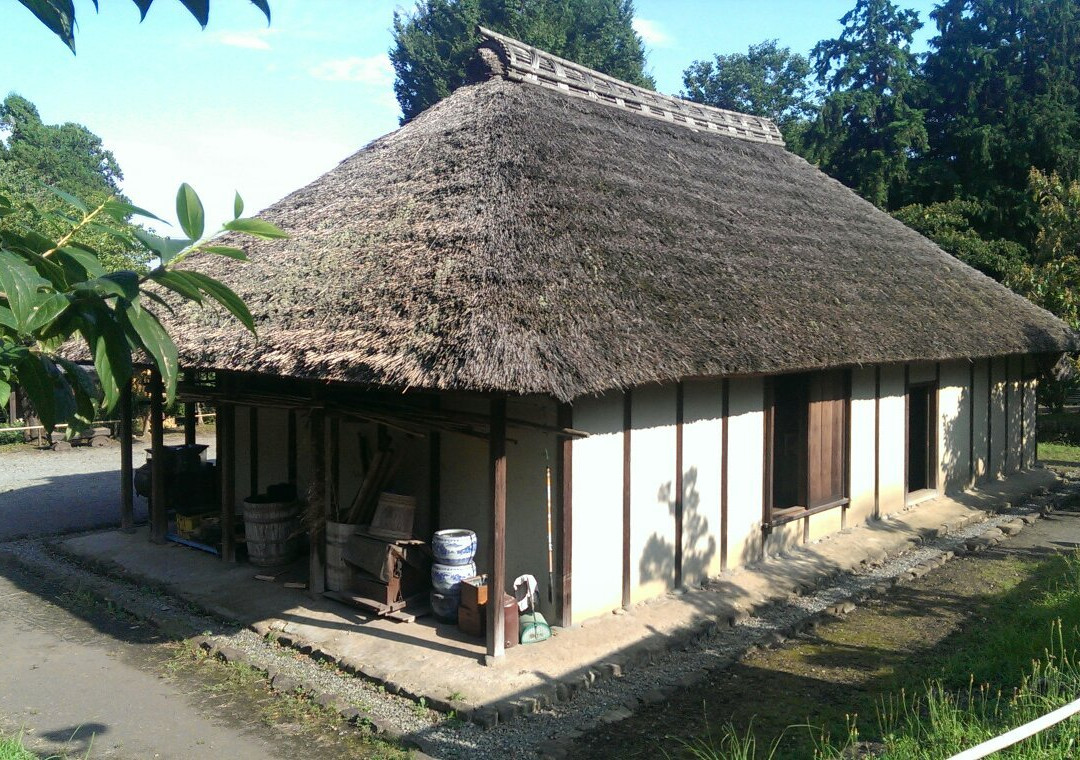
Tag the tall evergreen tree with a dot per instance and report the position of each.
(433, 44)
(767, 80)
(1002, 96)
(868, 128)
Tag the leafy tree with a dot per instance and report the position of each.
(433, 44)
(1002, 96)
(69, 157)
(59, 15)
(867, 127)
(767, 80)
(951, 224)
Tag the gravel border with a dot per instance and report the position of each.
(560, 713)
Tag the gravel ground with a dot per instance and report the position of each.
(44, 492)
(546, 732)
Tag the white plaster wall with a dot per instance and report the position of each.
(892, 442)
(954, 427)
(746, 448)
(999, 432)
(982, 369)
(1016, 414)
(597, 517)
(703, 428)
(652, 491)
(526, 496)
(863, 439)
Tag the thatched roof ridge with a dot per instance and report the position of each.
(515, 238)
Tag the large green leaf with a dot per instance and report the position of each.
(83, 387)
(120, 211)
(224, 250)
(165, 248)
(7, 319)
(57, 15)
(45, 312)
(189, 210)
(123, 283)
(157, 343)
(260, 228)
(79, 263)
(178, 282)
(68, 198)
(22, 286)
(200, 9)
(5, 393)
(237, 206)
(48, 389)
(110, 349)
(221, 293)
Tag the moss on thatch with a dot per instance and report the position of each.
(514, 238)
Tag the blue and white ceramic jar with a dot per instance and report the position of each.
(447, 579)
(454, 546)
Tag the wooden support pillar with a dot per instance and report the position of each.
(226, 467)
(159, 518)
(496, 623)
(253, 450)
(291, 448)
(679, 507)
(333, 471)
(189, 423)
(317, 502)
(566, 518)
(127, 470)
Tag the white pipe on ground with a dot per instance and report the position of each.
(1020, 733)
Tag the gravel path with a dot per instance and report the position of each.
(44, 492)
(548, 731)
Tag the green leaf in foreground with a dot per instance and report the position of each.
(224, 250)
(152, 336)
(260, 228)
(224, 296)
(237, 206)
(189, 210)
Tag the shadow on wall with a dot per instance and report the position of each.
(956, 439)
(657, 561)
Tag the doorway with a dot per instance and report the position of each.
(921, 437)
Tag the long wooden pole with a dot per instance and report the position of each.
(225, 422)
(127, 470)
(158, 509)
(496, 622)
(317, 502)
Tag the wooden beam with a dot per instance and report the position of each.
(971, 424)
(317, 502)
(565, 463)
(627, 423)
(907, 426)
(127, 468)
(159, 517)
(291, 448)
(253, 450)
(189, 423)
(1008, 422)
(679, 395)
(333, 472)
(496, 623)
(226, 467)
(990, 418)
(724, 411)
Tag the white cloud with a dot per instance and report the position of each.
(374, 70)
(253, 40)
(651, 32)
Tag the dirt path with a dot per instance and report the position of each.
(844, 666)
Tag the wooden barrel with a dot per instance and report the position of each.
(339, 575)
(271, 530)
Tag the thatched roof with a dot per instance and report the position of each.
(518, 238)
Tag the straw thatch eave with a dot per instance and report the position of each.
(516, 239)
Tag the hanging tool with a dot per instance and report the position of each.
(551, 549)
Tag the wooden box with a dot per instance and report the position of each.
(473, 621)
(474, 592)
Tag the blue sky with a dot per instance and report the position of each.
(264, 110)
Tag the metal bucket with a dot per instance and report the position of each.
(271, 531)
(339, 574)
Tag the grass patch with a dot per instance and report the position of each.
(1015, 661)
(11, 748)
(1059, 454)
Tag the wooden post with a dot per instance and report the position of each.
(566, 518)
(189, 423)
(678, 485)
(291, 448)
(159, 518)
(628, 405)
(333, 472)
(225, 422)
(496, 623)
(127, 470)
(253, 450)
(317, 503)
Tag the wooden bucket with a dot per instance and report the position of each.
(271, 531)
(339, 574)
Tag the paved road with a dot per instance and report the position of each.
(62, 491)
(75, 679)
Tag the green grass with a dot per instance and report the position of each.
(1017, 663)
(1059, 454)
(11, 748)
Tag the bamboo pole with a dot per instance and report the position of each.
(496, 622)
